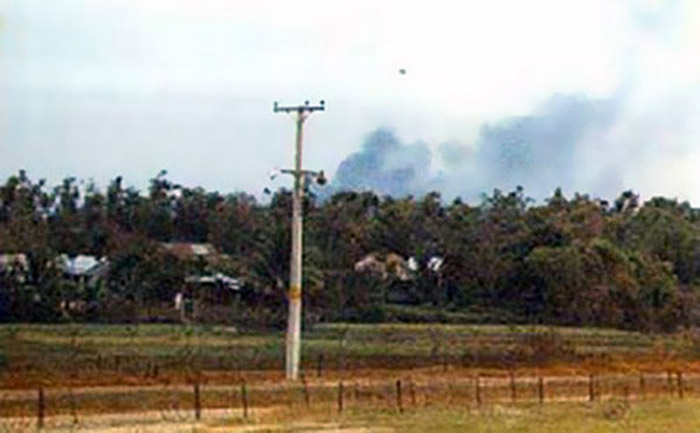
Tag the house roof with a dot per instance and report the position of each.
(81, 264)
(12, 261)
(188, 250)
(385, 265)
(218, 278)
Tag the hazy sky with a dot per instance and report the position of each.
(595, 96)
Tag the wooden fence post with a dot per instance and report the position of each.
(540, 389)
(679, 384)
(591, 387)
(244, 399)
(513, 389)
(319, 365)
(412, 390)
(399, 399)
(340, 397)
(307, 397)
(41, 408)
(642, 385)
(477, 389)
(73, 406)
(669, 382)
(197, 402)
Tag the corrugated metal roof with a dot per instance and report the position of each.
(218, 278)
(187, 250)
(80, 264)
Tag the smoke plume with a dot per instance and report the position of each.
(387, 166)
(565, 142)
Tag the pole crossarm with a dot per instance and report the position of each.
(300, 172)
(306, 107)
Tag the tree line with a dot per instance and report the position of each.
(568, 260)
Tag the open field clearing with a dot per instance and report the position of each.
(110, 408)
(357, 378)
(54, 355)
(572, 417)
(611, 416)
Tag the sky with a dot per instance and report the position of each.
(594, 96)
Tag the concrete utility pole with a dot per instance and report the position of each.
(293, 352)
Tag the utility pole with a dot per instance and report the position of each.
(293, 352)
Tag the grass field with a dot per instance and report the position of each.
(95, 370)
(56, 353)
(612, 416)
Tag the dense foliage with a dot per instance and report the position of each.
(577, 261)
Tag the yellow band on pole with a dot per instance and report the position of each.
(294, 292)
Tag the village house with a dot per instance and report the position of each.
(204, 291)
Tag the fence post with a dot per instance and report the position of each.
(399, 399)
(244, 399)
(319, 365)
(540, 389)
(513, 389)
(591, 387)
(669, 382)
(41, 407)
(197, 402)
(679, 384)
(307, 397)
(73, 406)
(412, 390)
(642, 386)
(477, 384)
(340, 397)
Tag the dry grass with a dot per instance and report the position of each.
(54, 355)
(147, 373)
(603, 417)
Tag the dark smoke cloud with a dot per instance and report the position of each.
(387, 166)
(547, 149)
